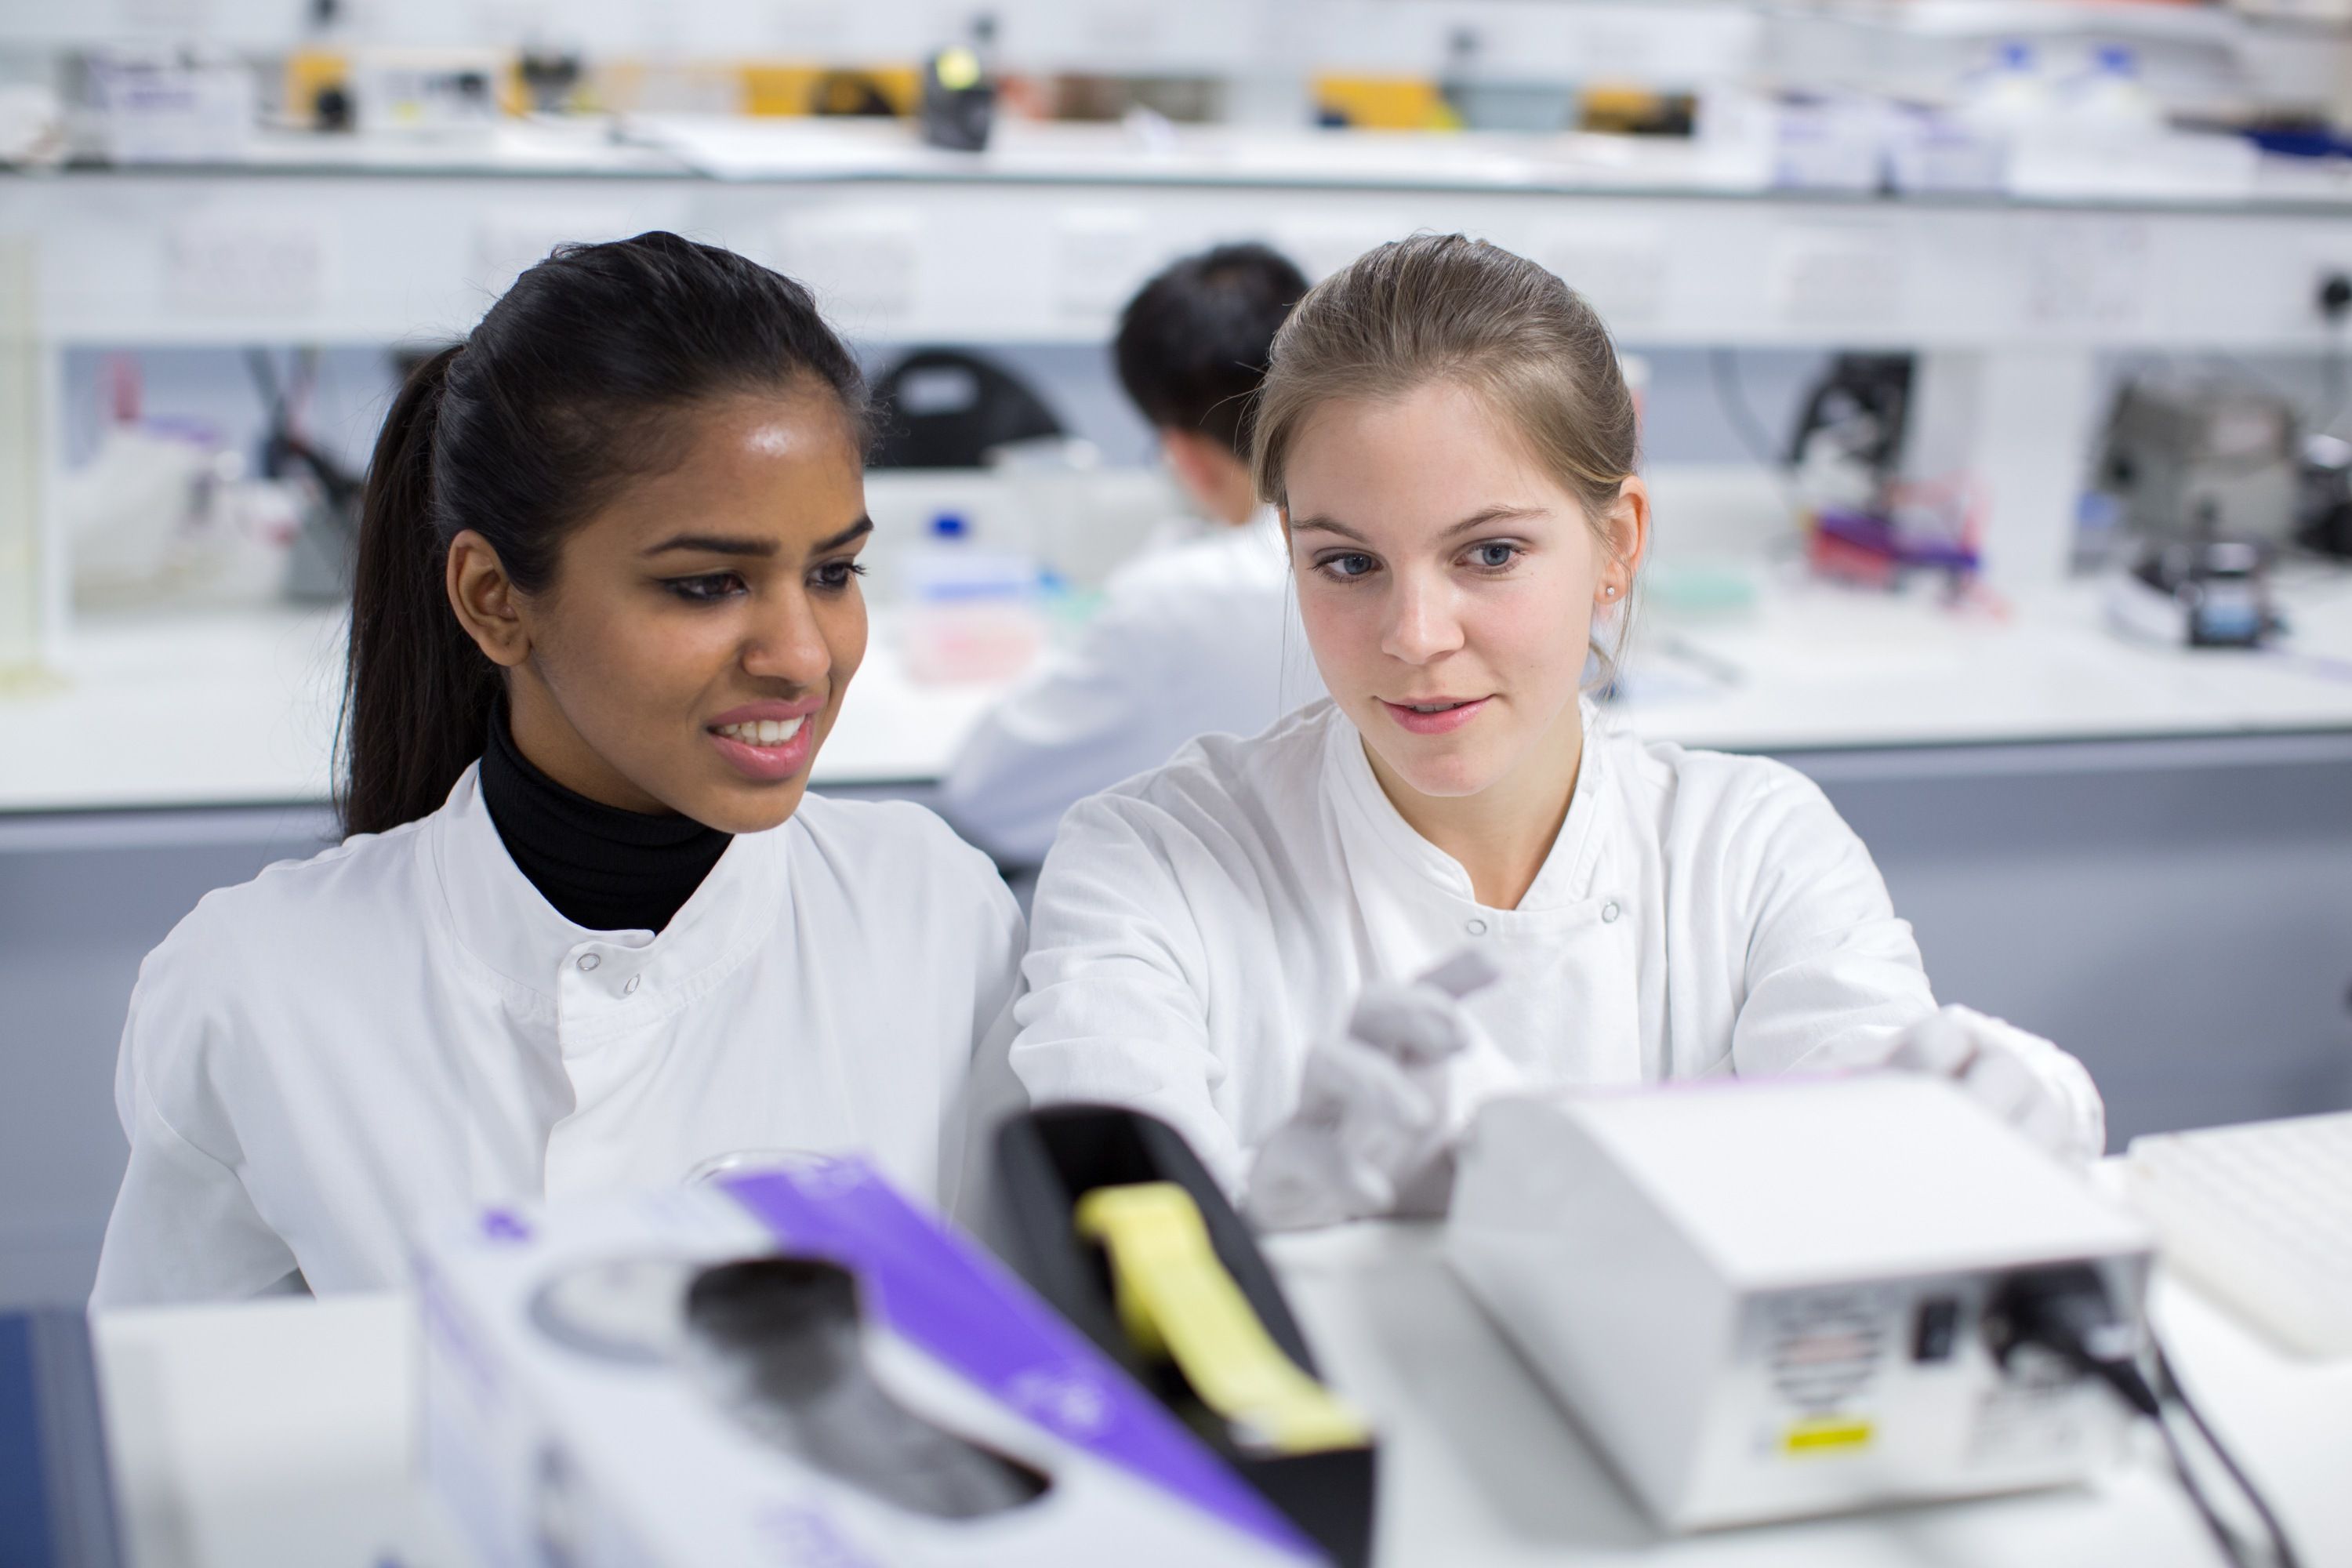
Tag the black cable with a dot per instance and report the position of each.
(2066, 1310)
(2124, 1378)
(2167, 1386)
(1731, 399)
(1731, 396)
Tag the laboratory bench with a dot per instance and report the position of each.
(287, 1432)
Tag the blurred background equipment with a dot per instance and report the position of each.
(2206, 455)
(950, 408)
(959, 105)
(2205, 591)
(320, 565)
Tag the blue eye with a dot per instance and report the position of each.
(1347, 567)
(1495, 556)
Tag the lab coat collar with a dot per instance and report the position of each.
(502, 922)
(1367, 815)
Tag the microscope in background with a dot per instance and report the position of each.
(2207, 480)
(1868, 521)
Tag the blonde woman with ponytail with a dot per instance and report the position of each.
(1238, 942)
(589, 929)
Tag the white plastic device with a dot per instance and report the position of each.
(1768, 1298)
(2260, 1216)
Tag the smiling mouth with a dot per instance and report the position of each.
(762, 731)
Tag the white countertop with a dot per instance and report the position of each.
(237, 708)
(285, 1432)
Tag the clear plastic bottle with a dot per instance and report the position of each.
(2108, 101)
(2012, 96)
(971, 613)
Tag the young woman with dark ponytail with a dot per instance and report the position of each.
(588, 929)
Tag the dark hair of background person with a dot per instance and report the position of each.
(578, 380)
(1192, 346)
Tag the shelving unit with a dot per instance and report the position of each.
(1044, 236)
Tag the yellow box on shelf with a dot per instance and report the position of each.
(773, 88)
(1385, 104)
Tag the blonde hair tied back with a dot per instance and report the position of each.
(1443, 308)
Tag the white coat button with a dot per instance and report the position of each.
(1608, 911)
(1475, 926)
(589, 961)
(631, 987)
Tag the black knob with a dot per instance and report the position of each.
(2335, 295)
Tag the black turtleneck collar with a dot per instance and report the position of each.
(600, 867)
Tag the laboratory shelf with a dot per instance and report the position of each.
(1045, 237)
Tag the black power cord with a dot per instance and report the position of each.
(2066, 1310)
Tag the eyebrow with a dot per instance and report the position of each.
(724, 544)
(1470, 524)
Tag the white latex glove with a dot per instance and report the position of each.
(2023, 1079)
(1381, 1107)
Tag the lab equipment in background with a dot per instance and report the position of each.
(24, 435)
(32, 124)
(948, 408)
(1768, 1299)
(553, 81)
(1484, 97)
(2324, 513)
(56, 1494)
(2192, 455)
(160, 512)
(1867, 521)
(793, 1364)
(325, 495)
(2010, 95)
(2261, 1217)
(958, 107)
(1848, 444)
(970, 613)
(2207, 592)
(1111, 1217)
(172, 106)
(1931, 153)
(2107, 99)
(441, 94)
(1831, 144)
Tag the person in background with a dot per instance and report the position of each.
(1261, 941)
(588, 929)
(1199, 634)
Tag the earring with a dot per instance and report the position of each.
(1610, 591)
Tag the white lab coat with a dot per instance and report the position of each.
(1193, 638)
(1197, 930)
(322, 1059)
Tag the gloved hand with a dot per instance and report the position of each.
(1380, 1106)
(2023, 1079)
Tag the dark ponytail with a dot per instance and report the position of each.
(571, 384)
